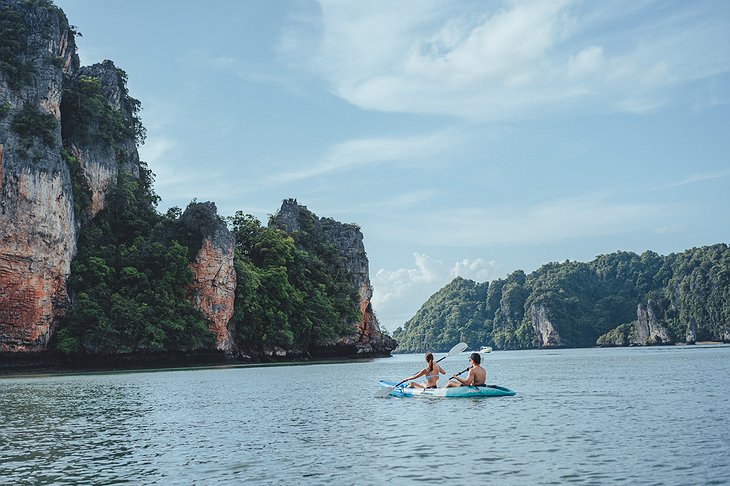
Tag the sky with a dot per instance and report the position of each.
(465, 138)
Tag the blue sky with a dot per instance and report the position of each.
(466, 138)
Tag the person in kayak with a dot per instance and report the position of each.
(431, 372)
(477, 375)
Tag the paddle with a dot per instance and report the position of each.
(460, 373)
(455, 350)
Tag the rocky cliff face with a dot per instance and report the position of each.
(648, 329)
(37, 224)
(53, 115)
(214, 278)
(545, 332)
(348, 241)
(100, 152)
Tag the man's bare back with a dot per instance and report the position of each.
(477, 376)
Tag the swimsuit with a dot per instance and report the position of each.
(435, 375)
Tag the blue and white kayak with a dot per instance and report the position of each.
(455, 392)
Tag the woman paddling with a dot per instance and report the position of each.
(431, 371)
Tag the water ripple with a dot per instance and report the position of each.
(628, 416)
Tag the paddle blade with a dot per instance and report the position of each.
(459, 348)
(384, 392)
(455, 350)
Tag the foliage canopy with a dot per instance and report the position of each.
(583, 301)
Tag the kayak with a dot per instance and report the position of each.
(455, 392)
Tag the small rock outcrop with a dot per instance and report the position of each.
(648, 329)
(545, 331)
(214, 278)
(620, 336)
(692, 332)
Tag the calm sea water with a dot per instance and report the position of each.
(589, 416)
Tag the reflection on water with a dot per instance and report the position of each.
(632, 416)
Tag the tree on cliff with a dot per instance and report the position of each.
(128, 290)
(285, 296)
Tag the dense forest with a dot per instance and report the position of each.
(689, 292)
(129, 279)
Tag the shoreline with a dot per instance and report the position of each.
(48, 363)
(553, 348)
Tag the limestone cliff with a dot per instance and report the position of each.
(347, 239)
(37, 223)
(214, 278)
(94, 104)
(545, 331)
(648, 329)
(65, 133)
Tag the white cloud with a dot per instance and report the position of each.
(478, 270)
(394, 284)
(489, 60)
(371, 151)
(587, 62)
(699, 177)
(162, 155)
(157, 149)
(399, 293)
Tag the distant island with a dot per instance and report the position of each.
(89, 270)
(620, 299)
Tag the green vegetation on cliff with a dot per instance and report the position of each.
(580, 302)
(13, 31)
(128, 290)
(287, 295)
(455, 313)
(20, 27)
(30, 123)
(87, 115)
(128, 281)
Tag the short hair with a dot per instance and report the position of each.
(476, 357)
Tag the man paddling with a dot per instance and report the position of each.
(477, 375)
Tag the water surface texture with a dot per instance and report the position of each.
(588, 416)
